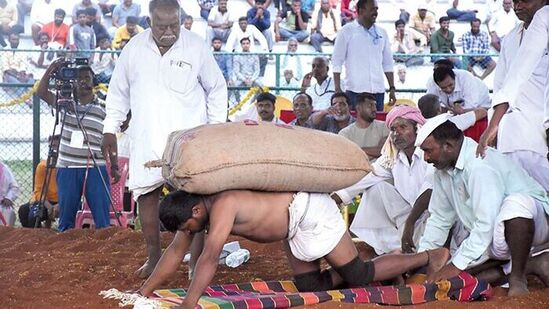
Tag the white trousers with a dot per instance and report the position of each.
(380, 218)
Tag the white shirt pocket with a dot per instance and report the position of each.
(179, 76)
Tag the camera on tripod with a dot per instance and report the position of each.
(69, 72)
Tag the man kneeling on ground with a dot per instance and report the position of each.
(309, 224)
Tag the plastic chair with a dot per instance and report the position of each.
(84, 216)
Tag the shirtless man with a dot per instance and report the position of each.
(309, 224)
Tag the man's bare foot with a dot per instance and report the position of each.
(517, 286)
(539, 266)
(146, 270)
(437, 259)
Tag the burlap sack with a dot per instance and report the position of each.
(261, 156)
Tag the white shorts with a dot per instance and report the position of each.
(315, 226)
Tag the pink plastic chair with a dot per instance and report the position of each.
(84, 216)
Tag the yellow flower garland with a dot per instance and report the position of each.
(23, 98)
(250, 93)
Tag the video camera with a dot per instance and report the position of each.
(69, 72)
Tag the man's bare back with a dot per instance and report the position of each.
(258, 216)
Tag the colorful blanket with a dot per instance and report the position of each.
(283, 294)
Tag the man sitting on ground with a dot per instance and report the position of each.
(367, 132)
(309, 224)
(303, 108)
(503, 210)
(335, 117)
(385, 212)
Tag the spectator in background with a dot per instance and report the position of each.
(364, 74)
(126, 32)
(325, 25)
(291, 60)
(287, 80)
(294, 23)
(501, 23)
(442, 42)
(206, 7)
(307, 6)
(15, 67)
(367, 132)
(401, 73)
(478, 42)
(41, 13)
(220, 22)
(103, 63)
(461, 13)
(225, 63)
(249, 31)
(348, 13)
(50, 197)
(123, 10)
(84, 4)
(303, 109)
(57, 30)
(82, 36)
(91, 20)
(260, 17)
(107, 6)
(423, 22)
(459, 93)
(42, 60)
(9, 191)
(334, 118)
(8, 21)
(321, 92)
(265, 103)
(188, 22)
(404, 42)
(246, 67)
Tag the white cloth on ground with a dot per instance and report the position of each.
(315, 226)
(182, 89)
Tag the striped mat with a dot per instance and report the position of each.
(283, 294)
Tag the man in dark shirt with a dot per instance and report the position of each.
(99, 30)
(295, 23)
(442, 42)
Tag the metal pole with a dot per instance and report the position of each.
(35, 133)
(277, 72)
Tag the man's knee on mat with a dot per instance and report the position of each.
(313, 281)
(357, 273)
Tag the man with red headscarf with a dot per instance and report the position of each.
(385, 215)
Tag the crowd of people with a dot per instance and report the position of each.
(435, 198)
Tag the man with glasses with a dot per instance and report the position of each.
(364, 74)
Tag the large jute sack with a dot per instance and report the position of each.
(261, 156)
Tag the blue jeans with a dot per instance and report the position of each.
(380, 100)
(70, 182)
(461, 15)
(299, 35)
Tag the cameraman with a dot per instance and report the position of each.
(81, 168)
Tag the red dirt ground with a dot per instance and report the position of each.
(40, 268)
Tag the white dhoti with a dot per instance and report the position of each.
(536, 165)
(380, 218)
(315, 226)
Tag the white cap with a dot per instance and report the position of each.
(430, 126)
(422, 7)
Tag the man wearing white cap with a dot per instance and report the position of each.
(503, 210)
(385, 214)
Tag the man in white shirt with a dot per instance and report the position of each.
(459, 93)
(504, 211)
(429, 105)
(503, 21)
(384, 215)
(521, 88)
(321, 92)
(367, 132)
(246, 31)
(41, 13)
(364, 74)
(220, 22)
(180, 86)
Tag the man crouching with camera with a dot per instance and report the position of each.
(81, 167)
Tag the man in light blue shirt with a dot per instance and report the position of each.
(503, 210)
